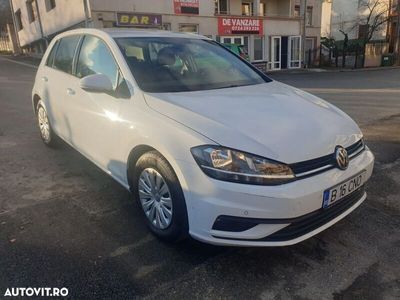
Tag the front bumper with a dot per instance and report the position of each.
(281, 213)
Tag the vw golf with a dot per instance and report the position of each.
(209, 146)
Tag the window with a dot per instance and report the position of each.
(295, 50)
(18, 20)
(166, 26)
(31, 11)
(189, 28)
(96, 58)
(221, 7)
(297, 11)
(65, 53)
(50, 4)
(182, 64)
(50, 58)
(262, 9)
(247, 8)
(309, 15)
(363, 31)
(258, 48)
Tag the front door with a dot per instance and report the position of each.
(95, 117)
(276, 53)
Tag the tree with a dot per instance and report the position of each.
(373, 16)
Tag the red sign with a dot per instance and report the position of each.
(227, 26)
(190, 7)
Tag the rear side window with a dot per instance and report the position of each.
(50, 58)
(96, 58)
(65, 53)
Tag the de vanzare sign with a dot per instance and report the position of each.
(133, 20)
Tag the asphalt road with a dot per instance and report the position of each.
(63, 223)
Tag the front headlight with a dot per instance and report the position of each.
(236, 166)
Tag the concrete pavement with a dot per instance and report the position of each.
(64, 223)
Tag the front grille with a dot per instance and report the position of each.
(315, 219)
(324, 163)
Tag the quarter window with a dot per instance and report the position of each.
(65, 53)
(96, 58)
(50, 58)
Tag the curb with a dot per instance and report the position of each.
(316, 70)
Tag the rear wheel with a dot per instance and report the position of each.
(160, 197)
(46, 132)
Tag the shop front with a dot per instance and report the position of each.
(243, 31)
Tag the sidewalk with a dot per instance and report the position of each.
(34, 61)
(331, 70)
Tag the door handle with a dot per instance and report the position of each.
(45, 79)
(70, 92)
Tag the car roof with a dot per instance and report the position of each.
(132, 32)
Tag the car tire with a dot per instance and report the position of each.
(153, 170)
(46, 132)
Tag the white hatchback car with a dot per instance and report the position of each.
(208, 144)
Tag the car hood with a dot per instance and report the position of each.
(273, 120)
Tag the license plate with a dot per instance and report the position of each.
(343, 189)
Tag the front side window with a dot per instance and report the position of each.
(65, 53)
(96, 58)
(183, 64)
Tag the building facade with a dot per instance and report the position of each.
(272, 31)
(346, 16)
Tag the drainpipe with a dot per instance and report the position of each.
(18, 49)
(303, 46)
(398, 32)
(87, 13)
(40, 24)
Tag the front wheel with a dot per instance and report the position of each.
(46, 132)
(160, 197)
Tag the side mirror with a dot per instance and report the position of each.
(98, 83)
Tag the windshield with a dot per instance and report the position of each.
(162, 65)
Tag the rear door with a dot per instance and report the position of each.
(95, 117)
(57, 75)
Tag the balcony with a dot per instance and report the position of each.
(255, 8)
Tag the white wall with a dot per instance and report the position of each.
(67, 13)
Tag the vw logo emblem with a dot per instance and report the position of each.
(342, 159)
